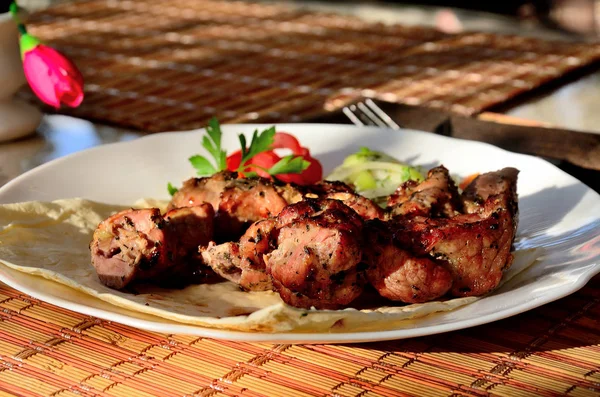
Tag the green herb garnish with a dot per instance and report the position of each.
(172, 189)
(289, 165)
(261, 142)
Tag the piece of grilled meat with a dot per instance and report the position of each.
(202, 190)
(238, 202)
(502, 182)
(394, 268)
(317, 255)
(243, 262)
(135, 245)
(397, 273)
(429, 248)
(475, 247)
(309, 253)
(436, 196)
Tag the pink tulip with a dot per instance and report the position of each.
(51, 76)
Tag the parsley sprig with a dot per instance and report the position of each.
(289, 165)
(261, 142)
(212, 143)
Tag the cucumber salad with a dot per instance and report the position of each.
(374, 174)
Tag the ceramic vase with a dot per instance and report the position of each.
(17, 118)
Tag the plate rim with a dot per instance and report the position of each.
(301, 338)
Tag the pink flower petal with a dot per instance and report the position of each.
(62, 63)
(53, 77)
(39, 76)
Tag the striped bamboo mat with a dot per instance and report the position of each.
(159, 65)
(48, 351)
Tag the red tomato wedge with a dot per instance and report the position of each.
(314, 172)
(283, 140)
(234, 160)
(266, 160)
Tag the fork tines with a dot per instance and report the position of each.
(368, 113)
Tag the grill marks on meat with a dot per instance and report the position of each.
(435, 196)
(243, 262)
(245, 201)
(135, 245)
(319, 248)
(476, 247)
(397, 273)
(318, 245)
(240, 202)
(202, 190)
(364, 207)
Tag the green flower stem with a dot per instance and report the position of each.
(28, 43)
(14, 12)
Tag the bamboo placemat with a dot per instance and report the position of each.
(48, 351)
(162, 65)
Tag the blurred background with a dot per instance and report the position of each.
(533, 17)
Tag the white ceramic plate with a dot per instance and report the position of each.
(559, 216)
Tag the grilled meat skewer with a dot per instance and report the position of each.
(318, 245)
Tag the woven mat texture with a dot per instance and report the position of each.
(161, 65)
(48, 351)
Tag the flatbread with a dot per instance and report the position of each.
(51, 240)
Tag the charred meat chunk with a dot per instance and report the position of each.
(243, 263)
(317, 255)
(502, 182)
(476, 247)
(436, 196)
(398, 274)
(363, 206)
(135, 245)
(243, 202)
(202, 190)
(238, 202)
(130, 245)
(189, 228)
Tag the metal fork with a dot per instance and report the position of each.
(368, 113)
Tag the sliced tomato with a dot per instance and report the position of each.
(234, 160)
(266, 160)
(283, 140)
(314, 172)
